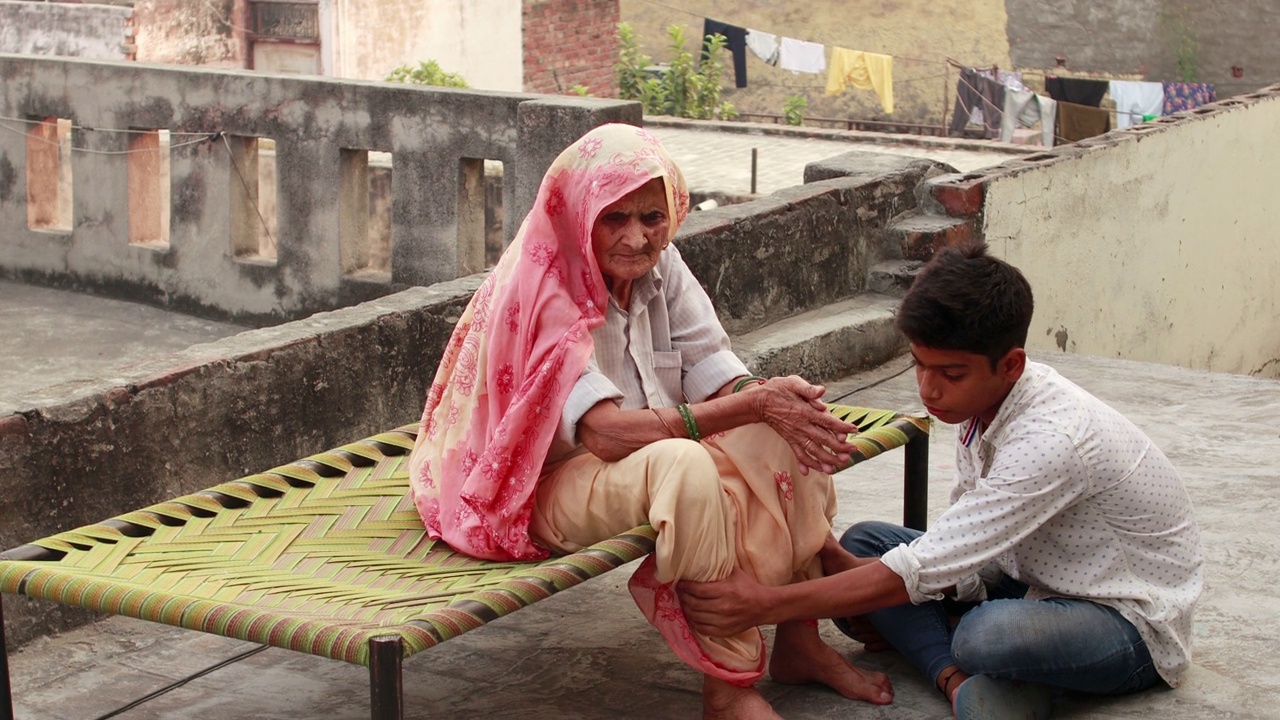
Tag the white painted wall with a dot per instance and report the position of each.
(479, 39)
(1161, 248)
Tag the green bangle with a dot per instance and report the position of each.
(748, 379)
(690, 424)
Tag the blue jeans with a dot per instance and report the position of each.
(1066, 643)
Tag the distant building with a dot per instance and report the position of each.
(547, 46)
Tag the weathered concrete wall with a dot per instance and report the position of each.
(1156, 243)
(806, 246)
(920, 34)
(479, 39)
(430, 132)
(92, 32)
(1147, 37)
(569, 43)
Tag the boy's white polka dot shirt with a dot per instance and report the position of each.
(1067, 495)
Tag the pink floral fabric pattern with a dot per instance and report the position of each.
(785, 484)
(495, 403)
(661, 606)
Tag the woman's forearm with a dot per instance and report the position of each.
(612, 434)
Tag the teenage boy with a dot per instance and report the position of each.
(1069, 557)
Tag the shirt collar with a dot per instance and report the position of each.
(1015, 402)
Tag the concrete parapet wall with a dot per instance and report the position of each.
(92, 32)
(1153, 243)
(86, 174)
(806, 246)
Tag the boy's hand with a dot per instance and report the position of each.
(725, 607)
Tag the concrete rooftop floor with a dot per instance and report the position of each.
(587, 653)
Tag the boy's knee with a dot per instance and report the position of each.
(984, 642)
(869, 538)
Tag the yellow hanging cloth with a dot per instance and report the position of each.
(863, 70)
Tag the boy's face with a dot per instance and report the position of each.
(956, 385)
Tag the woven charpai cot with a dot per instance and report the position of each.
(879, 430)
(320, 556)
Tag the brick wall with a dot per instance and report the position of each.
(183, 32)
(568, 43)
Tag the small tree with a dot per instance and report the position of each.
(426, 73)
(684, 88)
(631, 65)
(793, 109)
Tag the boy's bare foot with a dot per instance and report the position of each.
(800, 657)
(722, 701)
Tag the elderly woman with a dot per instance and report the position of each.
(589, 388)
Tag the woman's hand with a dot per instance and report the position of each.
(794, 409)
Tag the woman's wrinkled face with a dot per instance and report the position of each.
(631, 233)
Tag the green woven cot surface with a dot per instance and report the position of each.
(321, 555)
(879, 430)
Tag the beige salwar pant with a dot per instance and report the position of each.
(735, 498)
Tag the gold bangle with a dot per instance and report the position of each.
(665, 424)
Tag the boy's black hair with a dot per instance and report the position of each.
(964, 299)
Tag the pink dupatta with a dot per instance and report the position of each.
(519, 347)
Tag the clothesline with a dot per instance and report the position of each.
(793, 86)
(202, 137)
(947, 61)
(1130, 113)
(703, 17)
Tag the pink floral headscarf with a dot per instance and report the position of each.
(520, 346)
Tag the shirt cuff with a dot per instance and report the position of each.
(590, 389)
(971, 589)
(905, 565)
(711, 374)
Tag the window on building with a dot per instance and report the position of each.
(49, 174)
(284, 36)
(148, 169)
(364, 213)
(285, 20)
(253, 196)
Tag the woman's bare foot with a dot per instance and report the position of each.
(722, 701)
(800, 656)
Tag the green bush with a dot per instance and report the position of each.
(684, 87)
(426, 73)
(793, 109)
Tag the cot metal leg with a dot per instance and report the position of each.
(915, 510)
(6, 691)
(386, 691)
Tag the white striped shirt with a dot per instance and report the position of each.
(666, 349)
(1064, 493)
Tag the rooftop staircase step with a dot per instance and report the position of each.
(893, 277)
(920, 235)
(826, 343)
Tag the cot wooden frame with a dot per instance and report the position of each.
(327, 556)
